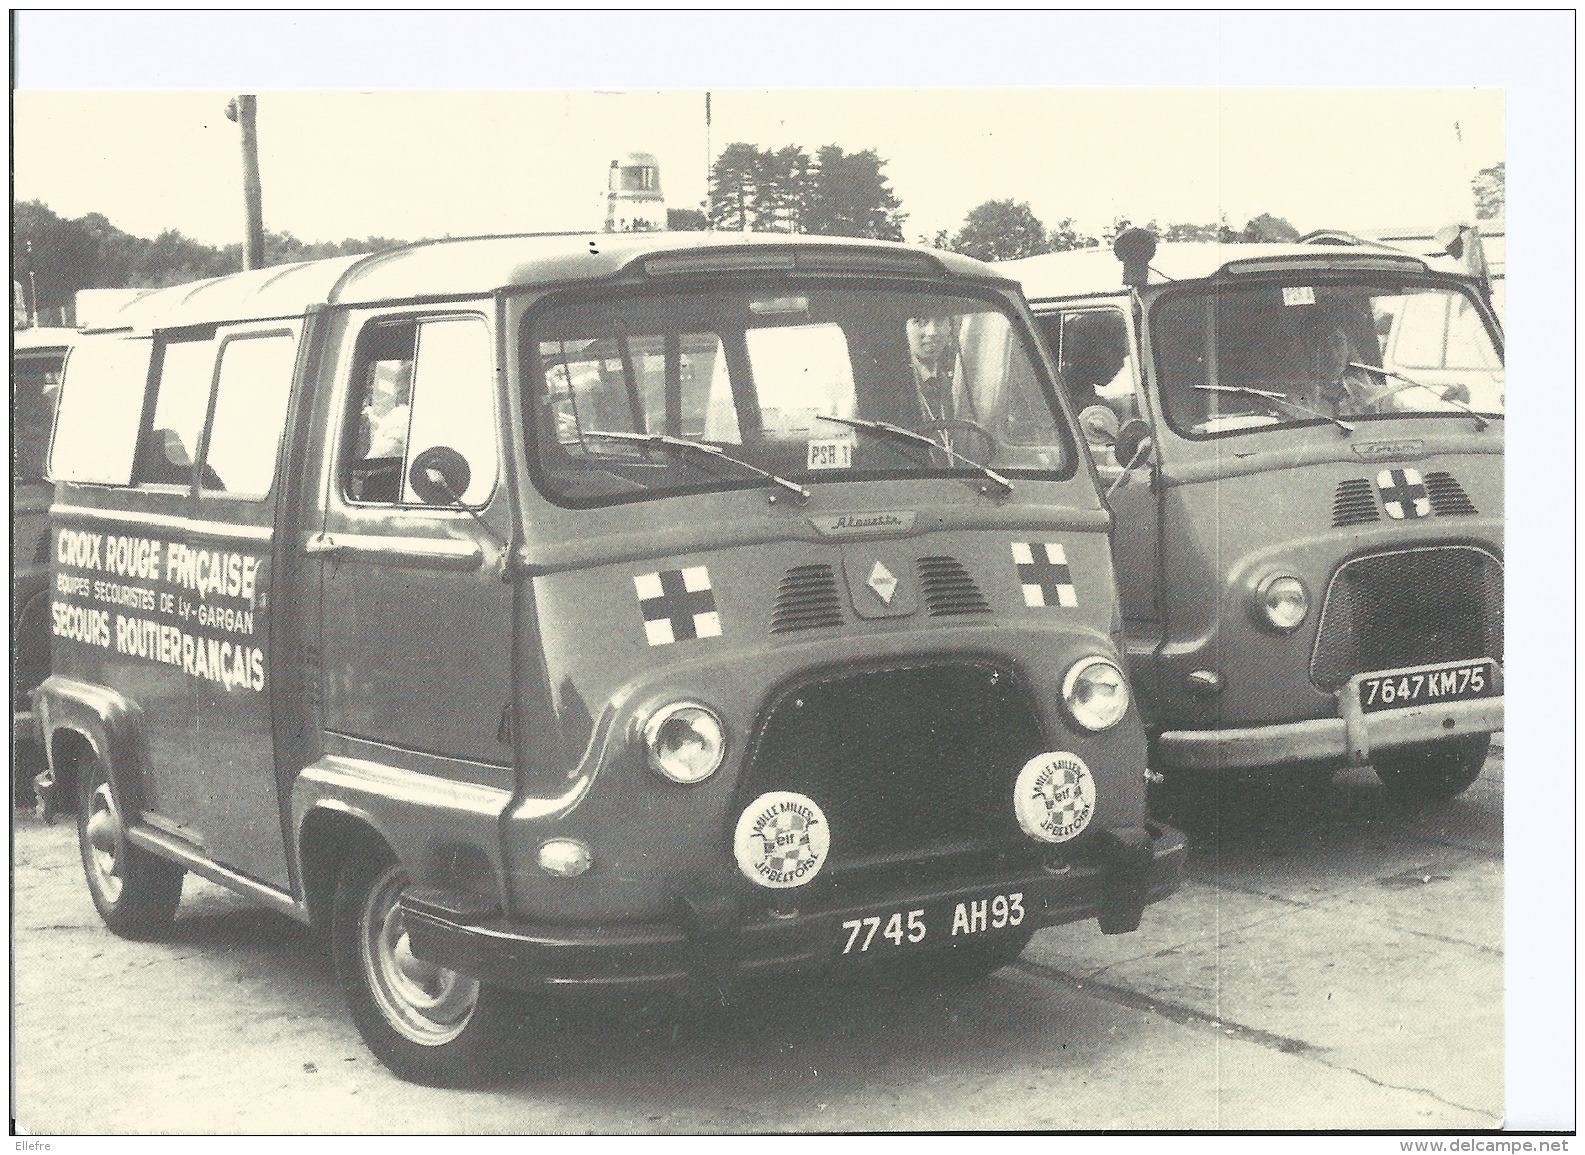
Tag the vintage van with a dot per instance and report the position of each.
(37, 357)
(598, 614)
(1303, 448)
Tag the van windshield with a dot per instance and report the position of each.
(1243, 360)
(754, 372)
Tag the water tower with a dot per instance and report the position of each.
(633, 200)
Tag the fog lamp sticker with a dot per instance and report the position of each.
(1043, 573)
(1054, 797)
(1403, 493)
(781, 840)
(677, 604)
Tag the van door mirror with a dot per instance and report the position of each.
(439, 476)
(1133, 444)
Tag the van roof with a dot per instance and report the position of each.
(1087, 272)
(43, 337)
(478, 265)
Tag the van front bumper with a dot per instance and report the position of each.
(712, 942)
(1350, 737)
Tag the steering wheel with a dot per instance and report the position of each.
(968, 439)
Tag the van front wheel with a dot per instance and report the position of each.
(135, 893)
(428, 1024)
(1434, 771)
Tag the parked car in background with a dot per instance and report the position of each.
(1303, 450)
(38, 355)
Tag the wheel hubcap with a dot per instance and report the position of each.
(104, 844)
(429, 1004)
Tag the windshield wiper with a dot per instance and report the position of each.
(681, 445)
(887, 429)
(1410, 383)
(1280, 399)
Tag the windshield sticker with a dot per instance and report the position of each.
(677, 604)
(832, 453)
(1301, 295)
(172, 604)
(1403, 494)
(1043, 572)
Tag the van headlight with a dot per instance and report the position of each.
(685, 741)
(1095, 693)
(1282, 602)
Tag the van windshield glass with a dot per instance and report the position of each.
(755, 372)
(1245, 360)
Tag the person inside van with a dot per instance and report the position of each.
(937, 367)
(1094, 348)
(382, 438)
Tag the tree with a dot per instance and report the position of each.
(779, 181)
(1065, 235)
(1266, 227)
(732, 188)
(846, 195)
(1001, 231)
(1184, 231)
(1490, 187)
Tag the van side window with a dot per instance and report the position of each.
(418, 384)
(101, 409)
(250, 413)
(36, 386)
(181, 403)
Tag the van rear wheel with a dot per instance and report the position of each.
(1433, 771)
(135, 892)
(426, 1023)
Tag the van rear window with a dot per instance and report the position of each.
(101, 407)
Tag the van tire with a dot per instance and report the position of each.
(1432, 771)
(135, 892)
(427, 1024)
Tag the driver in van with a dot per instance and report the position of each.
(386, 412)
(937, 367)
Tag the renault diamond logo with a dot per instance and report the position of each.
(883, 583)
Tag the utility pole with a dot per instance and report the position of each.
(242, 110)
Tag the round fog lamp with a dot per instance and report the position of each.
(1283, 602)
(1095, 692)
(686, 742)
(566, 857)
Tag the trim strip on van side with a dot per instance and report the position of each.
(222, 529)
(429, 552)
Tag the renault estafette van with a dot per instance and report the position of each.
(1302, 445)
(614, 614)
(37, 356)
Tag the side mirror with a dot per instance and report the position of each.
(1099, 424)
(439, 476)
(1133, 444)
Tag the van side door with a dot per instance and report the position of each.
(1095, 351)
(415, 615)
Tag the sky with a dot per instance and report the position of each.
(406, 164)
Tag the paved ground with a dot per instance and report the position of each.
(1332, 962)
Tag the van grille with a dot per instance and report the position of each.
(1354, 503)
(902, 761)
(1447, 496)
(949, 589)
(807, 600)
(1408, 608)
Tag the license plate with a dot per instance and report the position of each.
(933, 924)
(1454, 682)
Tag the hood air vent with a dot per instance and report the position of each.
(949, 589)
(807, 600)
(1354, 504)
(1447, 496)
